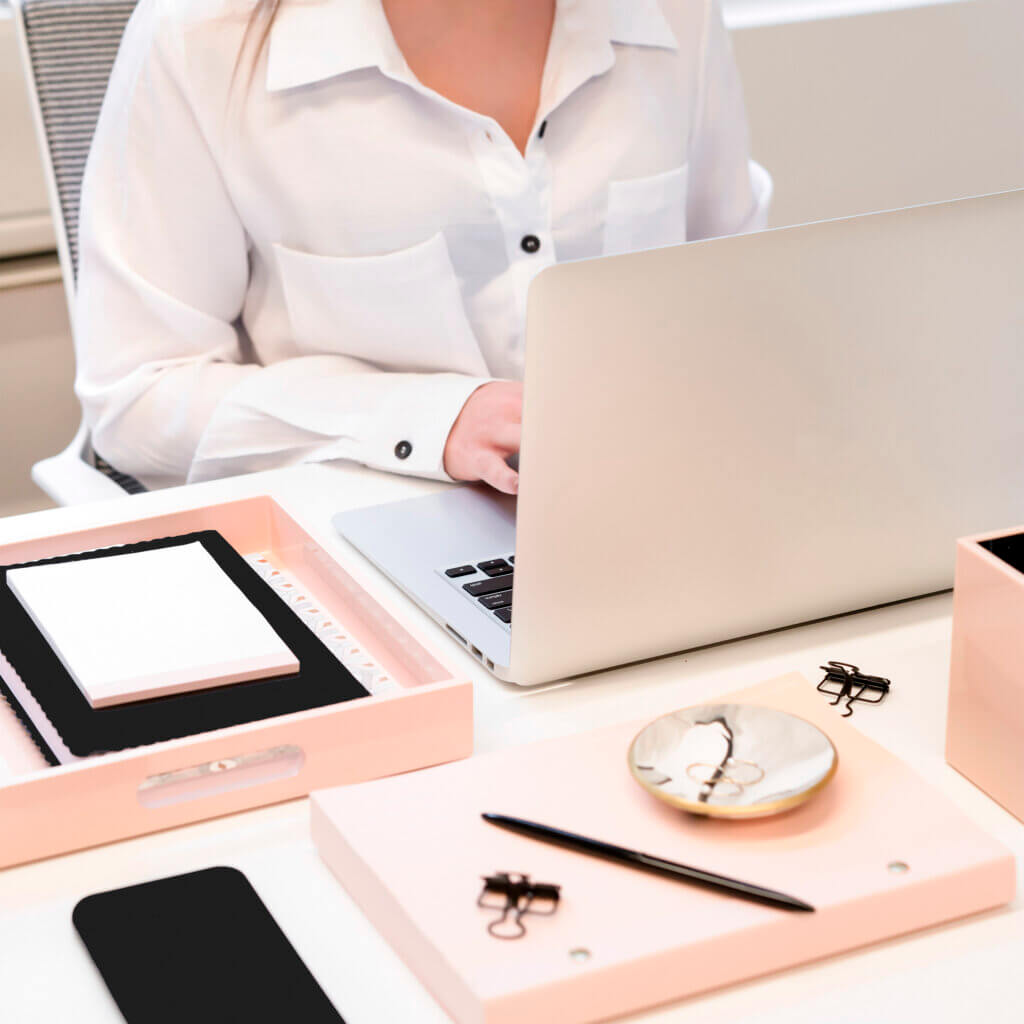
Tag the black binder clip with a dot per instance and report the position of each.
(844, 681)
(515, 896)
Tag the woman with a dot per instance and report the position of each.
(308, 227)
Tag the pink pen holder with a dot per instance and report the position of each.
(985, 726)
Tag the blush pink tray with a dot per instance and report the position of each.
(878, 852)
(985, 723)
(427, 720)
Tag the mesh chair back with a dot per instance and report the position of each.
(71, 46)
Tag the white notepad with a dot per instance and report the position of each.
(149, 623)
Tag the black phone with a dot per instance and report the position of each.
(200, 947)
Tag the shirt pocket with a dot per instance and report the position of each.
(644, 213)
(402, 311)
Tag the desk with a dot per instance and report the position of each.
(954, 973)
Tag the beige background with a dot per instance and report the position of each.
(850, 115)
(887, 110)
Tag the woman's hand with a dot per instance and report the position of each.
(485, 434)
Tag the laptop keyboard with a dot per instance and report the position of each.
(490, 586)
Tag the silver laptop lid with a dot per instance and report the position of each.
(736, 435)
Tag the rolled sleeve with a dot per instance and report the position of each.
(321, 408)
(420, 415)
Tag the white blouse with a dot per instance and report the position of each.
(327, 264)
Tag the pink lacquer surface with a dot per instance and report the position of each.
(985, 727)
(429, 720)
(411, 851)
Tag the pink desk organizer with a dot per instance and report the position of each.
(45, 810)
(878, 852)
(985, 724)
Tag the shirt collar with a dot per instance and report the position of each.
(311, 40)
(315, 39)
(640, 23)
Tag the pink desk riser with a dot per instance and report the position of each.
(411, 850)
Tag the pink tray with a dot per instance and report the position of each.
(46, 810)
(411, 851)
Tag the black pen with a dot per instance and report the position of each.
(645, 862)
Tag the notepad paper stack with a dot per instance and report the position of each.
(149, 623)
(122, 647)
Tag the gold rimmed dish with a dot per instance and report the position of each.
(732, 760)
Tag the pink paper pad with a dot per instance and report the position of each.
(411, 850)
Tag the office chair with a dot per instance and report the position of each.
(68, 48)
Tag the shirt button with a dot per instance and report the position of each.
(530, 243)
(403, 450)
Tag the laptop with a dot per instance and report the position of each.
(731, 436)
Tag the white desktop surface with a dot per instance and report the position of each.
(955, 973)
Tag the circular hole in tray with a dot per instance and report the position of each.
(898, 867)
(579, 955)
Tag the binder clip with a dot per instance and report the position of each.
(847, 682)
(515, 896)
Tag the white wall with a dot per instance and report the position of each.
(24, 220)
(38, 412)
(878, 111)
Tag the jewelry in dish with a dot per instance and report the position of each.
(732, 760)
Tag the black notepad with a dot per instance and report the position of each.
(321, 680)
(28, 725)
